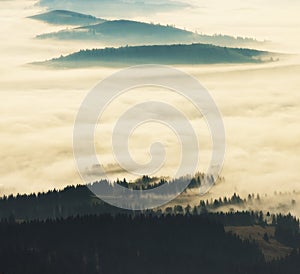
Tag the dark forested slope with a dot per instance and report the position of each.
(127, 244)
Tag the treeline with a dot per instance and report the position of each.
(79, 200)
(74, 200)
(146, 182)
(143, 183)
(71, 201)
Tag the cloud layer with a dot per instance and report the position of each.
(259, 103)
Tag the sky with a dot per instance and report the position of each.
(259, 103)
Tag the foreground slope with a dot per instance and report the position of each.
(136, 243)
(124, 244)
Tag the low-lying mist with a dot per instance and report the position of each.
(259, 104)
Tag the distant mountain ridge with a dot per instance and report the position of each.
(115, 8)
(66, 17)
(127, 32)
(160, 54)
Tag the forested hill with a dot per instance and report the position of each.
(65, 17)
(160, 54)
(128, 32)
